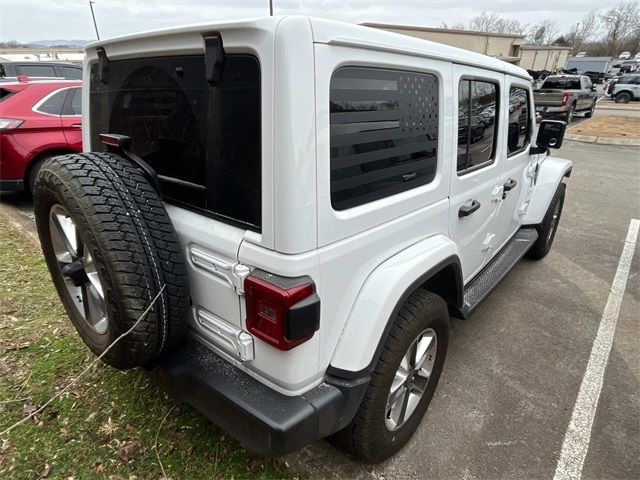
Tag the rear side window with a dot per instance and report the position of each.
(72, 73)
(203, 141)
(5, 93)
(52, 103)
(477, 114)
(384, 133)
(73, 104)
(519, 120)
(37, 70)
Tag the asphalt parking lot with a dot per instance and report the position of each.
(514, 369)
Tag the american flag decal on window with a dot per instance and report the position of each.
(384, 133)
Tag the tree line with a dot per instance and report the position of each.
(601, 32)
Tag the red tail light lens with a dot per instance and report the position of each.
(565, 98)
(284, 312)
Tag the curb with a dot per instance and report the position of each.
(630, 142)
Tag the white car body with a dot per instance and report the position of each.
(363, 259)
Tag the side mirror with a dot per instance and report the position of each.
(593, 88)
(550, 133)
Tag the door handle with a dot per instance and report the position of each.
(467, 210)
(510, 185)
(76, 125)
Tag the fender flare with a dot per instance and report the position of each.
(550, 173)
(381, 297)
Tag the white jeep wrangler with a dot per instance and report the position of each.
(308, 202)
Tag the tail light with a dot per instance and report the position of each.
(10, 123)
(284, 312)
(565, 98)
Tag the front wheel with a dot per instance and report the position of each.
(403, 382)
(547, 229)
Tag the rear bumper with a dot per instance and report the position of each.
(11, 185)
(266, 421)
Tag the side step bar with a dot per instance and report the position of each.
(479, 288)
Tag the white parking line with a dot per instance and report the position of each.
(576, 441)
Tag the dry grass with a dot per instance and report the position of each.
(612, 126)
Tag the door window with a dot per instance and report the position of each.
(477, 114)
(73, 105)
(519, 127)
(72, 73)
(37, 70)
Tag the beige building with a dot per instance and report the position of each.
(550, 58)
(506, 47)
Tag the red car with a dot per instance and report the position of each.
(38, 119)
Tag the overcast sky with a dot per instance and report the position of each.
(29, 20)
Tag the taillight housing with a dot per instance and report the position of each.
(565, 98)
(284, 312)
(10, 123)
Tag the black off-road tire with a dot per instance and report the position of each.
(367, 436)
(125, 227)
(548, 228)
(622, 97)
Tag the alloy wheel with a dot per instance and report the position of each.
(78, 269)
(411, 379)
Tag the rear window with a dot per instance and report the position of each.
(5, 93)
(203, 141)
(562, 83)
(52, 103)
(72, 73)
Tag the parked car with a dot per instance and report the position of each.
(40, 70)
(581, 54)
(624, 79)
(565, 95)
(628, 66)
(302, 174)
(627, 88)
(38, 120)
(625, 56)
(637, 57)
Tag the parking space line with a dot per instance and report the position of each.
(576, 441)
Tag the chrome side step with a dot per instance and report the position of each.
(479, 288)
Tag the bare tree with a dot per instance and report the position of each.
(620, 23)
(495, 23)
(543, 33)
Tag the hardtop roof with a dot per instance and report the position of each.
(340, 33)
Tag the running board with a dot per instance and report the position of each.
(492, 274)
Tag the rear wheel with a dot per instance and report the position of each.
(589, 113)
(110, 248)
(403, 382)
(568, 117)
(622, 97)
(547, 229)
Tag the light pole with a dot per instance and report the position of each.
(93, 15)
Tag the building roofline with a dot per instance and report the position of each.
(438, 30)
(544, 47)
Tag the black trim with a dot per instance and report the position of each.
(11, 185)
(103, 65)
(213, 58)
(451, 261)
(266, 421)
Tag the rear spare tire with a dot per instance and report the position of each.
(110, 248)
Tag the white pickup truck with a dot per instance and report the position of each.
(304, 204)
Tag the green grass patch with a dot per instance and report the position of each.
(105, 426)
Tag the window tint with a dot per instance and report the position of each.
(5, 93)
(477, 113)
(519, 120)
(72, 73)
(37, 70)
(384, 133)
(204, 141)
(561, 83)
(53, 104)
(73, 105)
